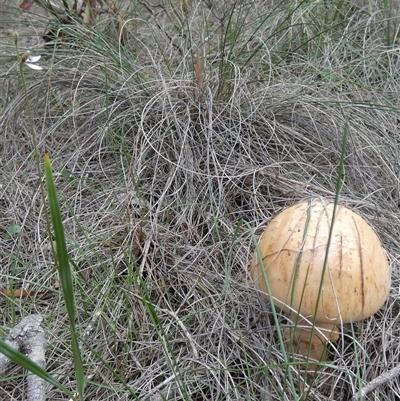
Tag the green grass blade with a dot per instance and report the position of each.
(64, 272)
(22, 360)
(288, 372)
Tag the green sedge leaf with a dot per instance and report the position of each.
(64, 271)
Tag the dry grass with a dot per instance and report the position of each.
(160, 179)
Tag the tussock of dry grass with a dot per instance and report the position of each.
(165, 181)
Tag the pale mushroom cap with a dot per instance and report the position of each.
(356, 282)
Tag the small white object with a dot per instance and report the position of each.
(32, 60)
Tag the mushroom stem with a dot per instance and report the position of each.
(311, 342)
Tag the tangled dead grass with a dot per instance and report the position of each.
(161, 182)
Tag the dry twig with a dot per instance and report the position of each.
(378, 381)
(27, 336)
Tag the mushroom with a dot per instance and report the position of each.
(349, 284)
